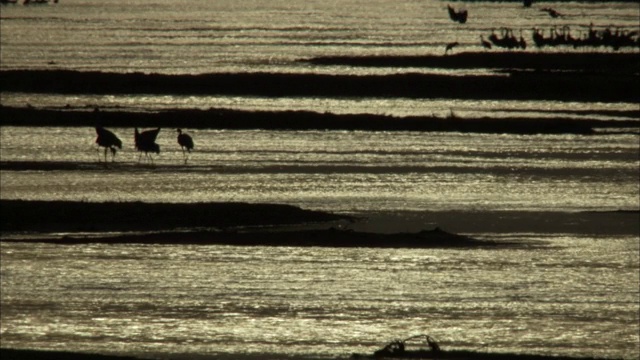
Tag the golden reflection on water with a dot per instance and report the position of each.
(441, 108)
(201, 299)
(334, 170)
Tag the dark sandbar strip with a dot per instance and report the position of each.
(300, 120)
(534, 85)
(15, 354)
(611, 63)
(72, 216)
(221, 222)
(19, 354)
(336, 238)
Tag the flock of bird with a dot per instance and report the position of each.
(615, 39)
(145, 142)
(508, 40)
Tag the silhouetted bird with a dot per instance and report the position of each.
(522, 43)
(185, 141)
(433, 344)
(459, 16)
(108, 140)
(554, 14)
(450, 46)
(485, 43)
(146, 142)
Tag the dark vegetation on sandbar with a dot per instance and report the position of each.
(521, 85)
(298, 120)
(78, 216)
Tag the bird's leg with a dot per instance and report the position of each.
(105, 155)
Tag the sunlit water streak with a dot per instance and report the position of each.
(577, 295)
(337, 170)
(568, 299)
(380, 106)
(213, 36)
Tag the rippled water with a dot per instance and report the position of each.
(579, 297)
(399, 107)
(182, 36)
(576, 294)
(338, 170)
(570, 296)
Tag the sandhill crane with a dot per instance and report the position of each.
(459, 16)
(146, 142)
(185, 141)
(108, 140)
(522, 43)
(450, 46)
(485, 43)
(554, 14)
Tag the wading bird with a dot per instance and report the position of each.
(552, 12)
(146, 142)
(185, 141)
(485, 43)
(108, 140)
(450, 46)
